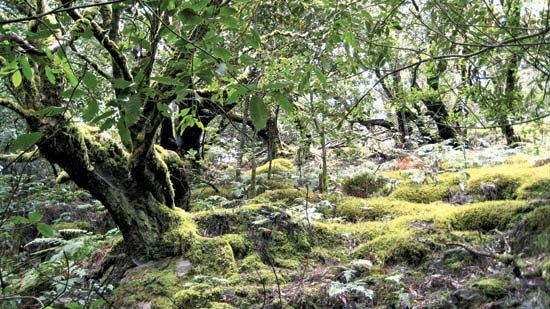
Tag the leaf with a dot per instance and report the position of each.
(283, 101)
(16, 78)
(321, 76)
(133, 110)
(24, 141)
(45, 230)
(304, 82)
(49, 75)
(51, 111)
(34, 217)
(258, 112)
(124, 133)
(28, 72)
(221, 53)
(164, 109)
(166, 81)
(90, 80)
(91, 110)
(70, 75)
(19, 220)
(253, 40)
(121, 83)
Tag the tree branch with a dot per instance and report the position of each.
(15, 107)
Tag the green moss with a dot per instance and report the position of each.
(394, 248)
(285, 195)
(494, 186)
(205, 192)
(152, 283)
(537, 188)
(494, 288)
(356, 209)
(278, 166)
(421, 193)
(211, 256)
(240, 245)
(365, 185)
(488, 215)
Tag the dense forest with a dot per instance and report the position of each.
(274, 154)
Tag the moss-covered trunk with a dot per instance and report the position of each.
(141, 204)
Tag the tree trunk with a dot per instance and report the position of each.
(141, 204)
(437, 109)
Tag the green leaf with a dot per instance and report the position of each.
(121, 83)
(91, 110)
(45, 230)
(283, 101)
(253, 40)
(258, 112)
(164, 109)
(70, 75)
(16, 78)
(221, 53)
(51, 111)
(34, 217)
(50, 76)
(166, 81)
(124, 133)
(133, 110)
(304, 82)
(321, 76)
(90, 80)
(28, 72)
(24, 141)
(20, 220)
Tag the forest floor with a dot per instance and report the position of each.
(433, 228)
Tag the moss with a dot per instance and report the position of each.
(494, 186)
(285, 195)
(205, 192)
(494, 288)
(355, 209)
(152, 283)
(364, 185)
(537, 188)
(503, 181)
(240, 245)
(488, 215)
(217, 295)
(278, 166)
(394, 248)
(211, 256)
(275, 183)
(421, 193)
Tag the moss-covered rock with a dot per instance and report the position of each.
(394, 248)
(537, 188)
(283, 195)
(240, 245)
(494, 186)
(365, 185)
(417, 193)
(278, 166)
(488, 215)
(151, 285)
(493, 288)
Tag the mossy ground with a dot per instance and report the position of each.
(400, 247)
